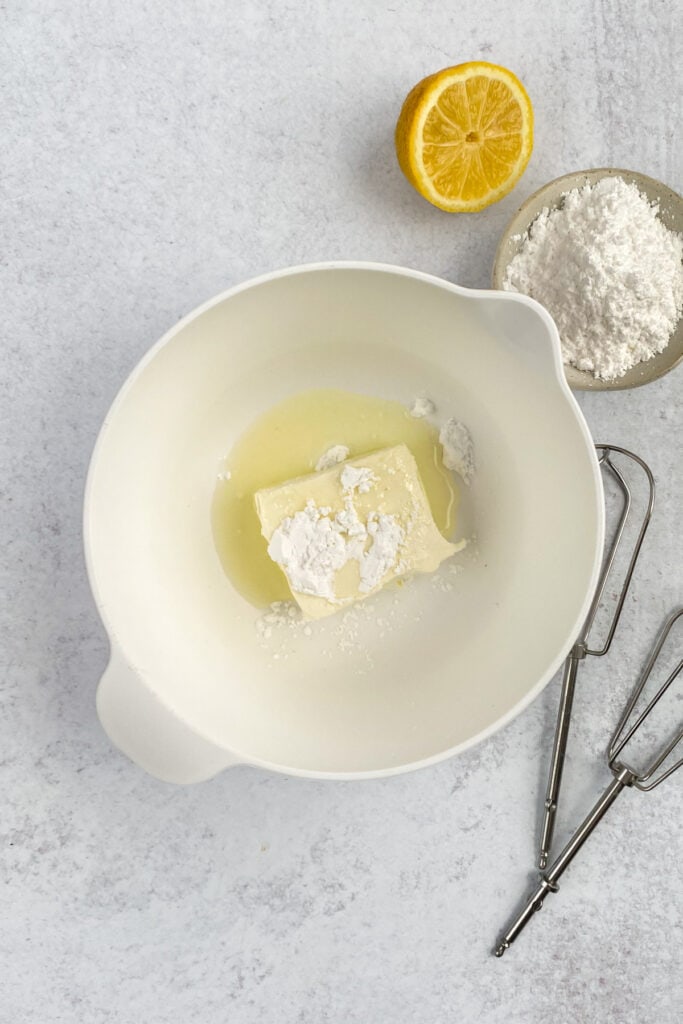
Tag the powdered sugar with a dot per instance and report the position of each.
(421, 407)
(279, 614)
(458, 449)
(608, 271)
(387, 537)
(312, 546)
(359, 478)
(332, 457)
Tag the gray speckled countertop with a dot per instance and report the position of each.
(154, 154)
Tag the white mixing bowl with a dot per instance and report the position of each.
(190, 688)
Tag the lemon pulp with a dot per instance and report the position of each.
(287, 442)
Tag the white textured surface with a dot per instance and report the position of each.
(154, 154)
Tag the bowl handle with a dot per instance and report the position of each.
(148, 733)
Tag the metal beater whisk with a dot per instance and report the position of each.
(582, 647)
(624, 775)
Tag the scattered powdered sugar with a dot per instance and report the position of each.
(353, 634)
(348, 632)
(282, 628)
(442, 579)
(279, 614)
(332, 457)
(609, 272)
(358, 478)
(421, 407)
(458, 449)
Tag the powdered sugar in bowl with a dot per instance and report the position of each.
(617, 301)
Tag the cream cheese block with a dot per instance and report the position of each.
(344, 533)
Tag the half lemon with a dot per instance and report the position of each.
(465, 135)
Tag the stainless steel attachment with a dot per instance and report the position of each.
(582, 648)
(625, 775)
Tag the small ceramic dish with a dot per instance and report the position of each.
(671, 213)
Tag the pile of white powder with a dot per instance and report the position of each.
(312, 545)
(458, 449)
(608, 271)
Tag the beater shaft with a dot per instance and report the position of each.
(548, 882)
(559, 750)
